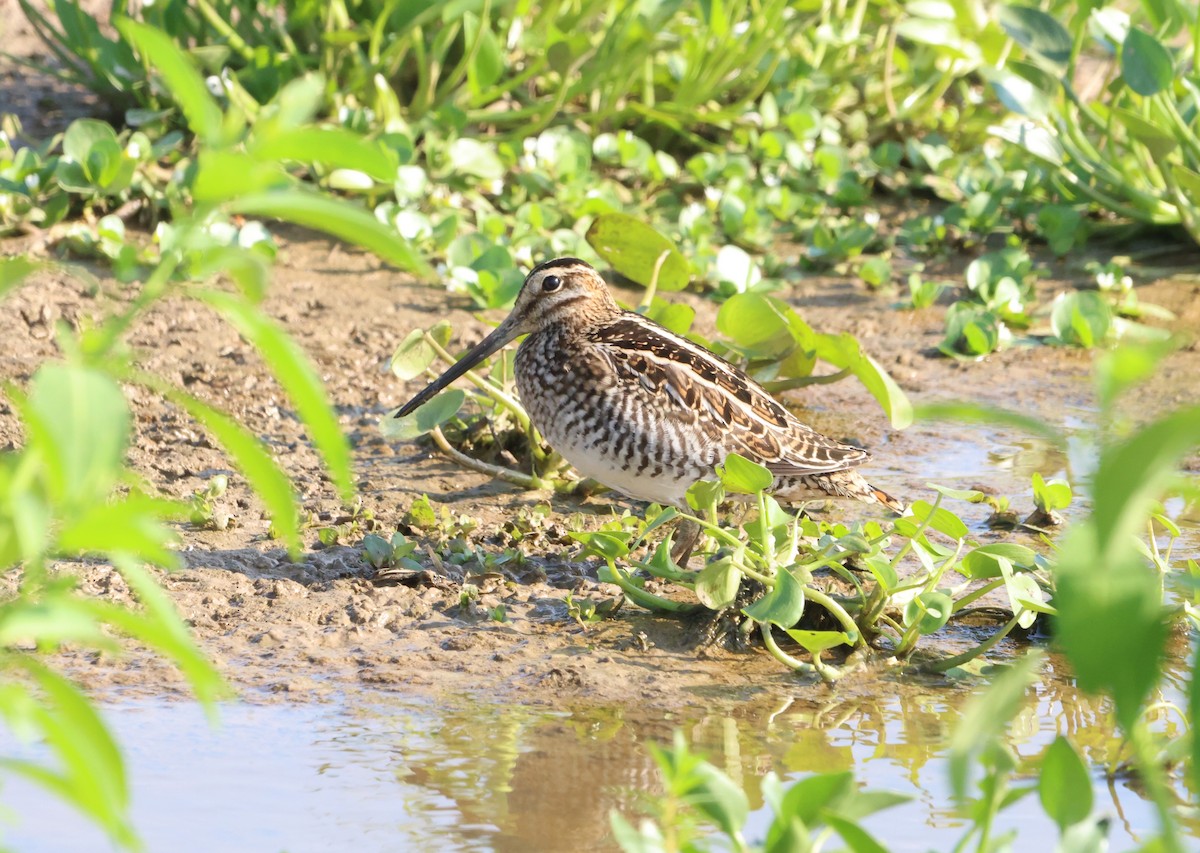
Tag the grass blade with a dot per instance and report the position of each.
(343, 220)
(252, 458)
(294, 371)
(182, 80)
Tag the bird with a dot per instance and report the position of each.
(644, 411)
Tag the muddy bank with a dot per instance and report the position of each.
(311, 627)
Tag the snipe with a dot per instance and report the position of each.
(643, 410)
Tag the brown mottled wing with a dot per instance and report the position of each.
(709, 394)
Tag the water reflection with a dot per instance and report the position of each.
(525, 779)
(468, 774)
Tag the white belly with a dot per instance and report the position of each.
(664, 489)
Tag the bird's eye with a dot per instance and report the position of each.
(551, 283)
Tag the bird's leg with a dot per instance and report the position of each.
(688, 533)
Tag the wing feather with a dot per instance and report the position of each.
(691, 385)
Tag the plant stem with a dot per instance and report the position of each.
(779, 654)
(971, 654)
(837, 611)
(498, 472)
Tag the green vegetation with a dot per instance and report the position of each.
(475, 136)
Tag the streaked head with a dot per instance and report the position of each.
(563, 290)
(558, 291)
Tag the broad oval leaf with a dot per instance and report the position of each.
(472, 157)
(1064, 785)
(1043, 37)
(783, 605)
(633, 249)
(85, 134)
(741, 476)
(940, 519)
(718, 583)
(983, 562)
(433, 414)
(1146, 65)
(753, 322)
(929, 611)
(816, 642)
(413, 356)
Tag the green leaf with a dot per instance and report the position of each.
(85, 135)
(252, 458)
(433, 414)
(983, 562)
(1146, 65)
(1018, 93)
(718, 798)
(1159, 141)
(413, 356)
(222, 174)
(1132, 475)
(929, 611)
(783, 605)
(985, 717)
(884, 572)
(718, 583)
(1082, 318)
(940, 519)
(1024, 594)
(857, 839)
(1101, 583)
(969, 495)
(50, 622)
(992, 416)
(333, 148)
(378, 550)
(741, 476)
(472, 157)
(80, 416)
(487, 65)
(93, 771)
(183, 81)
(755, 324)
(844, 351)
(809, 799)
(1123, 367)
(634, 249)
(131, 525)
(161, 628)
(1043, 37)
(1194, 714)
(293, 370)
(876, 271)
(14, 271)
(1064, 786)
(333, 216)
(816, 642)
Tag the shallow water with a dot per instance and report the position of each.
(373, 771)
(368, 775)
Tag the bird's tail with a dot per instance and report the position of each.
(880, 496)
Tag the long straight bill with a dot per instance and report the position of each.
(493, 342)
